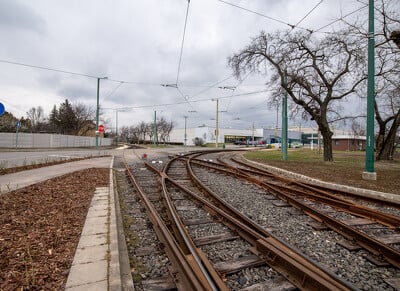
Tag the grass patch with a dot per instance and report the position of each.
(307, 156)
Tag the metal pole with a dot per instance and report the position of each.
(97, 113)
(185, 137)
(369, 173)
(155, 128)
(252, 130)
(216, 127)
(284, 121)
(116, 124)
(16, 137)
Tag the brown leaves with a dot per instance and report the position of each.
(40, 229)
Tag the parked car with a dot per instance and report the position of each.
(297, 145)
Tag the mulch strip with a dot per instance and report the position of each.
(40, 227)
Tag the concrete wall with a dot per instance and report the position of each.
(44, 140)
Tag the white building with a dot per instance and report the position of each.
(207, 134)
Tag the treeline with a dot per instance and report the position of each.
(67, 118)
(144, 132)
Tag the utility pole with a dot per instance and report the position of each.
(284, 132)
(155, 128)
(185, 136)
(116, 125)
(216, 124)
(252, 130)
(97, 110)
(369, 173)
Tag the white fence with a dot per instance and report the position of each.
(45, 140)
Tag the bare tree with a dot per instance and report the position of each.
(315, 73)
(84, 117)
(36, 118)
(142, 131)
(387, 100)
(164, 128)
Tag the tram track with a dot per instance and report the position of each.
(238, 231)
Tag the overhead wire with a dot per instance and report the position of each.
(257, 13)
(114, 90)
(196, 101)
(48, 69)
(292, 26)
(182, 44)
(315, 7)
(211, 86)
(341, 18)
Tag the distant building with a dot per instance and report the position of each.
(345, 142)
(207, 134)
(348, 142)
(271, 136)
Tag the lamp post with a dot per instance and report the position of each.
(97, 110)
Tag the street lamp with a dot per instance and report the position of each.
(97, 110)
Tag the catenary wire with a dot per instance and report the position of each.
(315, 7)
(48, 69)
(341, 18)
(196, 101)
(183, 41)
(257, 13)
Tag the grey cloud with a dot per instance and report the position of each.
(14, 14)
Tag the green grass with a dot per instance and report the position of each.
(306, 155)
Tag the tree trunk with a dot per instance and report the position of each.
(387, 150)
(327, 136)
(380, 138)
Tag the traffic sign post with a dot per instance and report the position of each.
(17, 126)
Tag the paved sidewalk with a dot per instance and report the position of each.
(22, 179)
(89, 269)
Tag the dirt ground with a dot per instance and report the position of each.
(40, 227)
(388, 173)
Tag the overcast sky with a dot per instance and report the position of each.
(139, 42)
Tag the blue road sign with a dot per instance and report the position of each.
(18, 124)
(2, 109)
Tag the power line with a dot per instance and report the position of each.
(341, 18)
(296, 26)
(196, 101)
(183, 41)
(301, 20)
(212, 86)
(48, 69)
(113, 91)
(257, 13)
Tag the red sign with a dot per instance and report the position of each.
(101, 128)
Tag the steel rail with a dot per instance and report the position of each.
(208, 273)
(369, 243)
(389, 220)
(317, 188)
(298, 269)
(183, 270)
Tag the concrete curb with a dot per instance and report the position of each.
(96, 264)
(357, 191)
